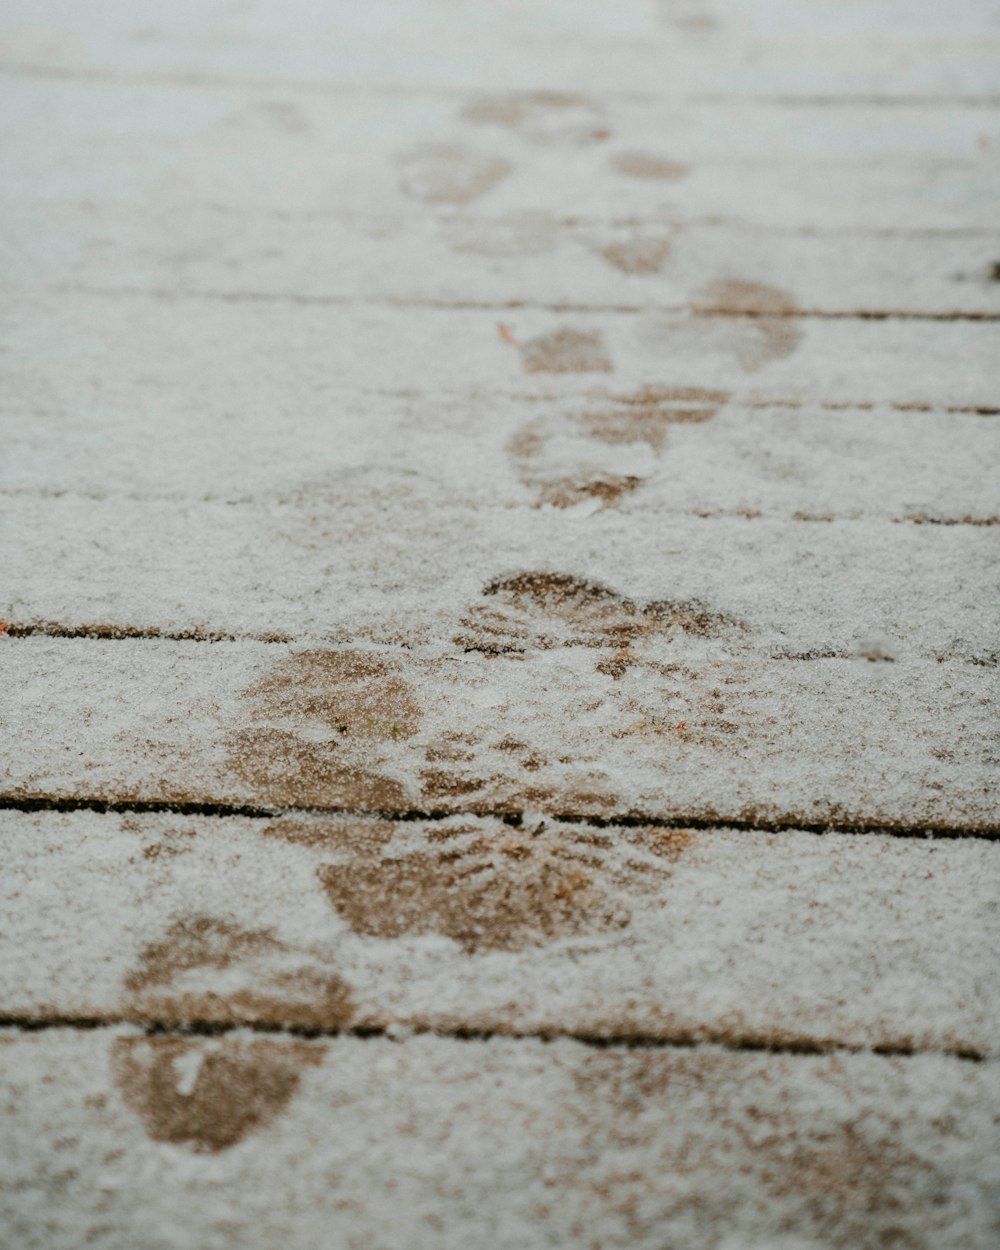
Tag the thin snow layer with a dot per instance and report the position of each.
(427, 258)
(369, 565)
(433, 151)
(124, 351)
(469, 923)
(488, 1143)
(461, 434)
(602, 713)
(653, 449)
(888, 49)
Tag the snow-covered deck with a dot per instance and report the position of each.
(498, 673)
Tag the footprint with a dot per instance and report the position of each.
(489, 886)
(608, 450)
(647, 166)
(539, 610)
(543, 117)
(441, 173)
(208, 1094)
(637, 255)
(321, 725)
(566, 351)
(205, 970)
(766, 327)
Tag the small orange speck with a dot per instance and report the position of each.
(681, 724)
(4, 627)
(506, 333)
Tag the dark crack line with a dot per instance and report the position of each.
(514, 305)
(684, 1040)
(121, 633)
(510, 816)
(588, 395)
(710, 221)
(126, 633)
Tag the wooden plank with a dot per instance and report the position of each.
(138, 145)
(169, 1141)
(469, 924)
(655, 261)
(390, 559)
(90, 350)
(653, 451)
(589, 724)
(884, 50)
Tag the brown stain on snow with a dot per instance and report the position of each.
(208, 1094)
(493, 887)
(705, 706)
(840, 1179)
(440, 173)
(637, 255)
(640, 417)
(371, 834)
(645, 415)
(566, 351)
(544, 117)
(187, 976)
(281, 769)
(648, 166)
(321, 717)
(541, 609)
(771, 330)
(358, 693)
(567, 492)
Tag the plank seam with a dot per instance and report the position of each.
(513, 817)
(98, 632)
(707, 221)
(282, 497)
(300, 299)
(91, 74)
(627, 1041)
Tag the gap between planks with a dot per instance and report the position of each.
(224, 82)
(24, 629)
(400, 1034)
(628, 820)
(299, 299)
(105, 632)
(709, 221)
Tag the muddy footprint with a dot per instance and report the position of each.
(608, 449)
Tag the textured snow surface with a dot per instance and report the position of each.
(498, 633)
(468, 922)
(589, 729)
(436, 1143)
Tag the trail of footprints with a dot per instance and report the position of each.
(324, 727)
(327, 723)
(451, 172)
